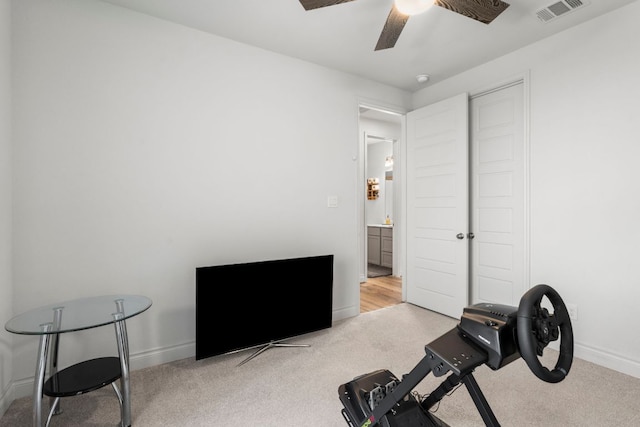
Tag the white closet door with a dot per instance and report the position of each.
(499, 194)
(437, 159)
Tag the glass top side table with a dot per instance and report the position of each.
(54, 319)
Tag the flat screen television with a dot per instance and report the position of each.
(259, 304)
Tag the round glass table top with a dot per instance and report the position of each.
(78, 314)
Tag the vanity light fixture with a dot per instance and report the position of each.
(388, 161)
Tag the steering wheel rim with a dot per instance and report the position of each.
(536, 328)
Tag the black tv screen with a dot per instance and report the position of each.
(246, 305)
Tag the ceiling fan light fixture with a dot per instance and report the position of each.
(413, 7)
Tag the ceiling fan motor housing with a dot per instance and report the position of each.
(484, 11)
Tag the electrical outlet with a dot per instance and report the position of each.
(573, 311)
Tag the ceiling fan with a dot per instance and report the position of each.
(484, 11)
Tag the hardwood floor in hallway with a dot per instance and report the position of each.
(380, 292)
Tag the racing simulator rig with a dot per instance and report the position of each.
(491, 334)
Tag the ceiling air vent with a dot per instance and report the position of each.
(559, 8)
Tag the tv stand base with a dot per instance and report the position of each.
(264, 347)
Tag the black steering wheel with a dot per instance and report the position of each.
(537, 328)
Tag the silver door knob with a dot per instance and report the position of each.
(460, 236)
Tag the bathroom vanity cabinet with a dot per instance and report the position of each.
(380, 245)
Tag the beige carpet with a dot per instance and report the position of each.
(299, 386)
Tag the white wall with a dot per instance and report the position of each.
(585, 180)
(6, 288)
(144, 149)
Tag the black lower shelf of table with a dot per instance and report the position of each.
(83, 377)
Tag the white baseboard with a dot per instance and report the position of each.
(24, 387)
(18, 389)
(5, 399)
(146, 359)
(345, 313)
(159, 356)
(607, 359)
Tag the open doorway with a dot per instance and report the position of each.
(380, 213)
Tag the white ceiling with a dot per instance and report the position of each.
(439, 42)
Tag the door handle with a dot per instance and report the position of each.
(460, 236)
(470, 236)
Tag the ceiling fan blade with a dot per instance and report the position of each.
(315, 4)
(481, 10)
(392, 28)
